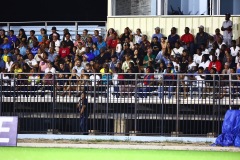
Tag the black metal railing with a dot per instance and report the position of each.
(181, 106)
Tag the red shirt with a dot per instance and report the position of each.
(217, 64)
(187, 38)
(64, 52)
(112, 43)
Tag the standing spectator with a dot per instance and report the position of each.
(69, 43)
(2, 35)
(173, 37)
(95, 36)
(22, 35)
(201, 37)
(227, 29)
(85, 35)
(32, 38)
(54, 32)
(215, 63)
(126, 34)
(43, 32)
(157, 34)
(83, 109)
(187, 41)
(110, 33)
(12, 39)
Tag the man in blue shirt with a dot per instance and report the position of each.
(157, 34)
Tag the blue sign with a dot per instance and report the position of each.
(8, 131)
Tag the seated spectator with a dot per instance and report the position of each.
(55, 42)
(177, 50)
(78, 39)
(6, 44)
(145, 44)
(101, 43)
(95, 50)
(103, 57)
(125, 65)
(50, 68)
(126, 34)
(95, 36)
(148, 83)
(43, 32)
(32, 63)
(137, 36)
(78, 67)
(64, 50)
(149, 58)
(169, 83)
(201, 37)
(198, 83)
(205, 62)
(8, 64)
(89, 43)
(215, 63)
(155, 45)
(88, 54)
(33, 81)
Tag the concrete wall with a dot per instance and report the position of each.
(148, 23)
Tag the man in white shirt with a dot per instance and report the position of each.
(50, 68)
(32, 63)
(227, 30)
(177, 51)
(78, 67)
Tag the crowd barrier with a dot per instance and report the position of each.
(169, 107)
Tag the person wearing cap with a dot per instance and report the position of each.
(157, 34)
(2, 35)
(227, 29)
(201, 37)
(54, 31)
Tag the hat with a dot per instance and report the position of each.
(201, 26)
(157, 28)
(54, 28)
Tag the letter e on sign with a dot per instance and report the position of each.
(8, 131)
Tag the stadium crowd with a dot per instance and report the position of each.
(105, 58)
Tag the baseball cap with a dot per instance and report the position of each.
(201, 26)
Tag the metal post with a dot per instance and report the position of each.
(177, 114)
(94, 104)
(107, 103)
(53, 106)
(162, 92)
(14, 94)
(135, 105)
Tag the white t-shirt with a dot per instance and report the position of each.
(8, 66)
(234, 52)
(93, 78)
(197, 58)
(33, 62)
(226, 24)
(204, 64)
(200, 81)
(119, 48)
(52, 70)
(177, 51)
(190, 66)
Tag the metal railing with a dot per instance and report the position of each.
(129, 106)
